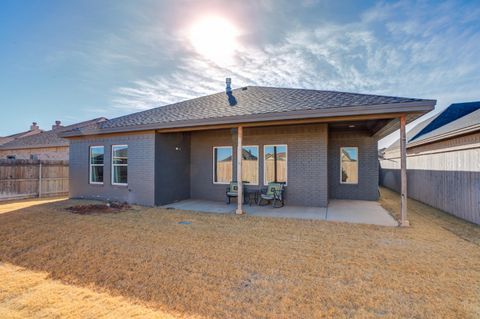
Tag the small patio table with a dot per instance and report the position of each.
(251, 195)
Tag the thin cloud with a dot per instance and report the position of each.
(406, 49)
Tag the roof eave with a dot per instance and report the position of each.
(420, 107)
(444, 136)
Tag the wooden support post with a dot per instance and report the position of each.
(403, 172)
(40, 180)
(239, 170)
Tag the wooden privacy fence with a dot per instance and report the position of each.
(32, 178)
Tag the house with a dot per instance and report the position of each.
(189, 149)
(443, 161)
(41, 145)
(34, 129)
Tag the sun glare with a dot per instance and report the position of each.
(215, 38)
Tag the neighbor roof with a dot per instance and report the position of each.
(450, 114)
(412, 132)
(466, 124)
(457, 119)
(4, 140)
(256, 104)
(47, 138)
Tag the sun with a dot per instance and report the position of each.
(215, 38)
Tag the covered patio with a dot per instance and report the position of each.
(351, 211)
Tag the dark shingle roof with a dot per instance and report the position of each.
(450, 114)
(251, 100)
(465, 124)
(47, 138)
(455, 119)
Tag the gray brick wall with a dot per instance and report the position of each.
(307, 161)
(172, 167)
(141, 169)
(367, 187)
(313, 165)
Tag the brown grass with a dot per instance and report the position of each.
(141, 262)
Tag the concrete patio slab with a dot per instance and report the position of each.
(352, 211)
(299, 212)
(200, 205)
(359, 211)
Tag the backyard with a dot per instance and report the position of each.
(143, 263)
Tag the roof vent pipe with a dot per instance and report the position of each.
(228, 82)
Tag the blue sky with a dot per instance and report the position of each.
(73, 61)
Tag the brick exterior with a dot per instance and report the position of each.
(164, 168)
(367, 187)
(141, 169)
(307, 161)
(43, 153)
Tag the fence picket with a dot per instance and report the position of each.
(32, 178)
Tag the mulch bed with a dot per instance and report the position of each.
(107, 208)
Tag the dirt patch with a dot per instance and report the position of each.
(107, 208)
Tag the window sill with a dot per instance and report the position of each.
(121, 185)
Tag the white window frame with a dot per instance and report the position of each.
(265, 183)
(358, 160)
(258, 164)
(113, 165)
(90, 164)
(213, 165)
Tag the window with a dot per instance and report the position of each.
(250, 165)
(222, 164)
(119, 164)
(275, 163)
(11, 157)
(349, 165)
(96, 164)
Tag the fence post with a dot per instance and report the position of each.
(40, 180)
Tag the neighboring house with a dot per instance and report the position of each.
(34, 129)
(443, 161)
(295, 136)
(42, 145)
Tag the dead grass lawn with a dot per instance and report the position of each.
(141, 262)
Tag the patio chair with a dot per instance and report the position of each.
(232, 191)
(274, 193)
